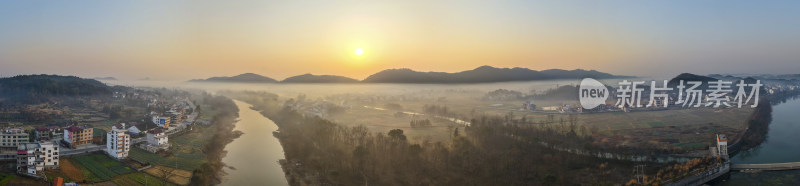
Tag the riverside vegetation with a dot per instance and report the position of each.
(493, 150)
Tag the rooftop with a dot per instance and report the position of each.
(156, 131)
(27, 146)
(13, 130)
(77, 128)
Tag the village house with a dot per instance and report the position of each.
(12, 137)
(78, 135)
(34, 158)
(118, 142)
(156, 140)
(47, 133)
(162, 121)
(134, 130)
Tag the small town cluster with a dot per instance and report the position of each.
(39, 148)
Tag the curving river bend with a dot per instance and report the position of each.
(254, 155)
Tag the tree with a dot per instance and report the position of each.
(165, 173)
(455, 133)
(397, 134)
(360, 154)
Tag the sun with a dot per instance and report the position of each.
(359, 51)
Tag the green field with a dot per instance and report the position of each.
(139, 178)
(101, 166)
(5, 178)
(186, 151)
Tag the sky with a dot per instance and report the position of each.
(180, 40)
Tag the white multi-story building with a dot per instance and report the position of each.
(33, 158)
(118, 142)
(156, 140)
(12, 137)
(722, 145)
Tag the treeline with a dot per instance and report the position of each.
(680, 171)
(421, 123)
(494, 151)
(757, 128)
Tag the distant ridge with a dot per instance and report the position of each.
(105, 78)
(483, 74)
(241, 78)
(38, 88)
(310, 78)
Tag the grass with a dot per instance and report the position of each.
(139, 178)
(52, 174)
(655, 124)
(5, 178)
(102, 166)
(385, 120)
(691, 146)
(82, 173)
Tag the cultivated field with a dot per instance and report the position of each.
(101, 166)
(177, 176)
(672, 129)
(186, 152)
(139, 178)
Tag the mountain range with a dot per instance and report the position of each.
(310, 78)
(483, 74)
(241, 78)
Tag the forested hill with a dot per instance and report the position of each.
(35, 88)
(483, 74)
(241, 78)
(310, 78)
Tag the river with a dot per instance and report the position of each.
(254, 155)
(782, 145)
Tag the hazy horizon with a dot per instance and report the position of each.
(182, 40)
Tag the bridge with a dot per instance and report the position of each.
(700, 178)
(765, 167)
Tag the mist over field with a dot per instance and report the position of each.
(446, 92)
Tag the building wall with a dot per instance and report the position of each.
(33, 158)
(156, 140)
(51, 155)
(118, 143)
(13, 140)
(79, 137)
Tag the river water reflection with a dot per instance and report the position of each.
(782, 145)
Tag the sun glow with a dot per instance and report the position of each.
(359, 51)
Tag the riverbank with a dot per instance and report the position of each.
(757, 128)
(252, 158)
(222, 125)
(320, 152)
